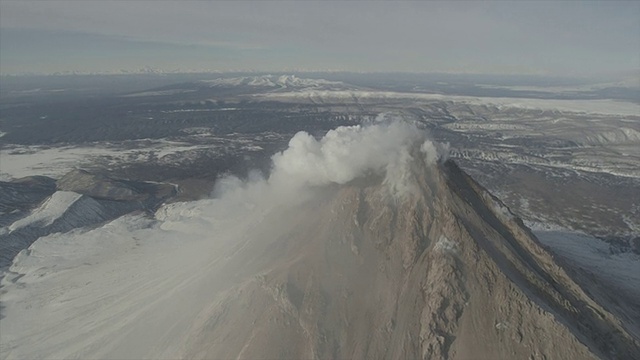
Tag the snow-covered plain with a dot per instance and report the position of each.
(160, 93)
(133, 288)
(127, 290)
(611, 266)
(20, 161)
(610, 107)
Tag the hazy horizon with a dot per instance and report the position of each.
(503, 38)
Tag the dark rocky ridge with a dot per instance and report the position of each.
(103, 187)
(18, 197)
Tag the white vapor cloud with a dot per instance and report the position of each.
(345, 153)
(350, 152)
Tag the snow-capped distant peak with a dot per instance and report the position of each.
(292, 80)
(272, 81)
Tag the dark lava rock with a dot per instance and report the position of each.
(103, 187)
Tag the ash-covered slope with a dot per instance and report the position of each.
(362, 244)
(445, 272)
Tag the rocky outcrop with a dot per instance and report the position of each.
(103, 187)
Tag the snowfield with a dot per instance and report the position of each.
(95, 294)
(622, 269)
(581, 106)
(51, 210)
(21, 161)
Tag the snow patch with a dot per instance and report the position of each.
(53, 208)
(445, 245)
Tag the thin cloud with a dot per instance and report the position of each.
(493, 37)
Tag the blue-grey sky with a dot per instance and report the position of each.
(503, 37)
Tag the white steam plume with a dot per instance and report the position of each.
(345, 154)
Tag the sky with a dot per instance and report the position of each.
(578, 38)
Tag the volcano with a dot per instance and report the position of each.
(444, 273)
(403, 257)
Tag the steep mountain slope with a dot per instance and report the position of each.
(445, 273)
